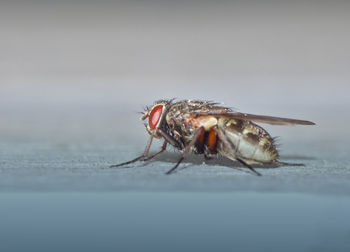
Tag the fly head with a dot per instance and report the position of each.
(156, 117)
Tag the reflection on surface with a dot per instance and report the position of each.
(173, 222)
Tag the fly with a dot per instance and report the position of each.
(210, 129)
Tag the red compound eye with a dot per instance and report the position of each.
(155, 116)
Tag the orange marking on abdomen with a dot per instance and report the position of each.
(212, 137)
(201, 137)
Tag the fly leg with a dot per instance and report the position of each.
(197, 134)
(140, 158)
(248, 166)
(159, 152)
(228, 144)
(170, 139)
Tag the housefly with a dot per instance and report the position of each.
(210, 129)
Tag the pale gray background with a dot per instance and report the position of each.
(74, 74)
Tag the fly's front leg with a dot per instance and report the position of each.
(156, 154)
(197, 134)
(170, 139)
(232, 150)
(140, 158)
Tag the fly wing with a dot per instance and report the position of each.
(261, 118)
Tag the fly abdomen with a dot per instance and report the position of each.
(206, 143)
(248, 141)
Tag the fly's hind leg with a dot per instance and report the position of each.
(279, 163)
(140, 158)
(232, 150)
(248, 166)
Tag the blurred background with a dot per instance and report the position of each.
(80, 66)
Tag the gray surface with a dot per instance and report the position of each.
(57, 192)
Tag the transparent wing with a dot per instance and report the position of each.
(260, 118)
